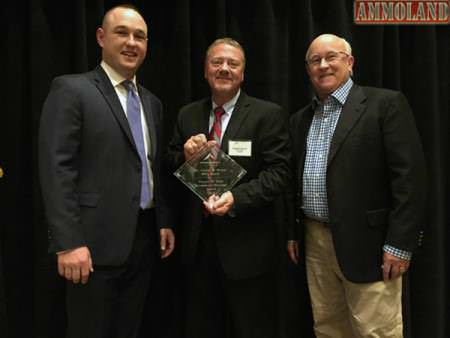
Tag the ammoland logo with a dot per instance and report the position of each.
(394, 12)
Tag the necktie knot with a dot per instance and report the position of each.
(218, 112)
(128, 85)
(216, 130)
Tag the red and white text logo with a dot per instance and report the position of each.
(394, 12)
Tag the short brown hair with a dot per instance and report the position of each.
(226, 41)
(127, 6)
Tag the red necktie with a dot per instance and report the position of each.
(215, 135)
(216, 130)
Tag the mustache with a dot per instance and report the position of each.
(221, 77)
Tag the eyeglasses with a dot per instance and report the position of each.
(330, 58)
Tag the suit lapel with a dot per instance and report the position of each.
(240, 112)
(350, 114)
(150, 110)
(106, 88)
(203, 119)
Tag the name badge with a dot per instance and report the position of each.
(240, 148)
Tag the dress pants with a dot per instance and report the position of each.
(111, 304)
(219, 307)
(342, 309)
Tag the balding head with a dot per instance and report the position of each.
(123, 38)
(113, 12)
(330, 38)
(329, 63)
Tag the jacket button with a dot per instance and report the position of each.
(134, 198)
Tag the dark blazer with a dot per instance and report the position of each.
(90, 170)
(246, 243)
(375, 178)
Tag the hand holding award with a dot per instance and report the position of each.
(209, 172)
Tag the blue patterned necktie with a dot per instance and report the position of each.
(134, 119)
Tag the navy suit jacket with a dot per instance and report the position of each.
(90, 170)
(375, 179)
(247, 242)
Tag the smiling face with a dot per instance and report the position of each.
(327, 76)
(123, 38)
(224, 71)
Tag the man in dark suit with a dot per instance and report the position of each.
(103, 185)
(360, 177)
(229, 246)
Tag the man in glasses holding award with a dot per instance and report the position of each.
(231, 150)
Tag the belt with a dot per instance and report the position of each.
(146, 223)
(146, 212)
(315, 221)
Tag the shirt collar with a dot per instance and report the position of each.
(340, 94)
(115, 78)
(228, 106)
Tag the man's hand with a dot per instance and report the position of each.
(393, 267)
(292, 249)
(75, 265)
(167, 242)
(219, 205)
(193, 144)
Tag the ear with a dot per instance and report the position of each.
(100, 35)
(351, 62)
(307, 70)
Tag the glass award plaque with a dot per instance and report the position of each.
(210, 172)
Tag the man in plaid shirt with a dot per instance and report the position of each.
(360, 177)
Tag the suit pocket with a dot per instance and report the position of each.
(378, 217)
(88, 199)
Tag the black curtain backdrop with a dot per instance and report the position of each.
(42, 39)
